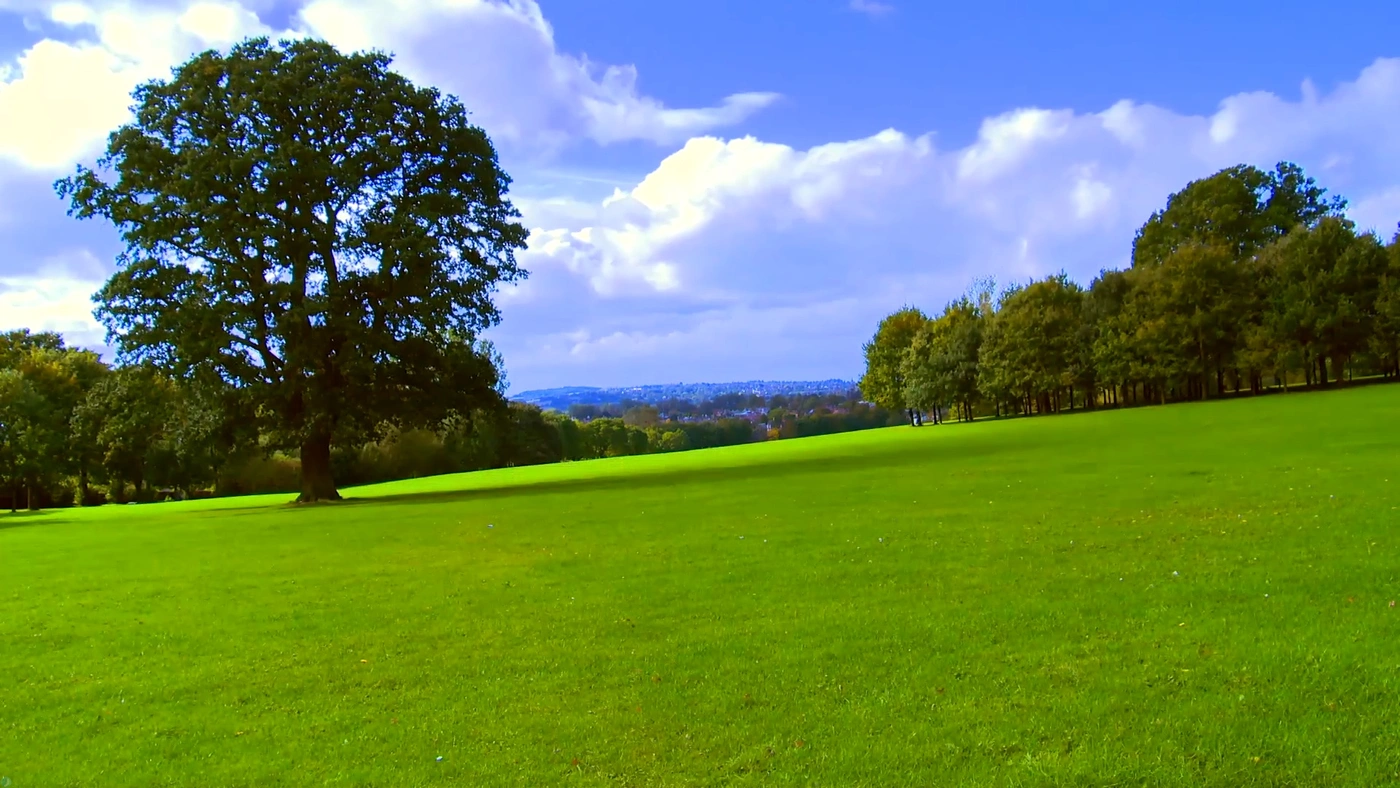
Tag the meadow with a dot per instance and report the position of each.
(1199, 594)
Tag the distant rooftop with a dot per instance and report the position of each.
(562, 398)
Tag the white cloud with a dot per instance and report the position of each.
(57, 302)
(741, 230)
(740, 186)
(1378, 211)
(500, 58)
(1005, 141)
(62, 99)
(733, 257)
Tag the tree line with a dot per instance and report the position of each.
(720, 406)
(1246, 281)
(75, 430)
(312, 245)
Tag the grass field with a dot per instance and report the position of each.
(1185, 595)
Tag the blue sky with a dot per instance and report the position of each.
(735, 190)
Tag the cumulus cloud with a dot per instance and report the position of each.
(734, 256)
(742, 231)
(500, 58)
(651, 236)
(62, 96)
(61, 99)
(51, 301)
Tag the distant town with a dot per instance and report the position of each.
(757, 392)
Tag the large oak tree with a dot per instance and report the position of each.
(312, 230)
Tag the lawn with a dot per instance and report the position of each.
(1193, 595)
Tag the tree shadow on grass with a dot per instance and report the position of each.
(819, 465)
(24, 517)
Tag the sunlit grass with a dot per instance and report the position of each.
(1186, 595)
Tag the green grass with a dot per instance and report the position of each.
(1185, 595)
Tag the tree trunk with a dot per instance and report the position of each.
(316, 481)
(82, 485)
(1322, 370)
(1339, 365)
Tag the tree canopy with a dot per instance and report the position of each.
(1247, 278)
(1241, 208)
(312, 230)
(883, 382)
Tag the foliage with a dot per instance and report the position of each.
(1247, 279)
(940, 366)
(1241, 208)
(127, 413)
(44, 384)
(883, 381)
(313, 229)
(1030, 352)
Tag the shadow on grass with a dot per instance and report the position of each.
(24, 517)
(889, 458)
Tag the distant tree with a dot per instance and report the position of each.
(530, 438)
(940, 367)
(18, 344)
(925, 387)
(1327, 289)
(789, 426)
(1195, 297)
(51, 381)
(883, 381)
(1386, 340)
(1031, 346)
(570, 437)
(127, 414)
(606, 437)
(313, 229)
(26, 437)
(197, 437)
(1241, 209)
(673, 440)
(63, 378)
(643, 416)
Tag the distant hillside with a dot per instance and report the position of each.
(562, 398)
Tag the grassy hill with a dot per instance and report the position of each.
(1186, 595)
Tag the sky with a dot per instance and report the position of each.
(737, 190)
